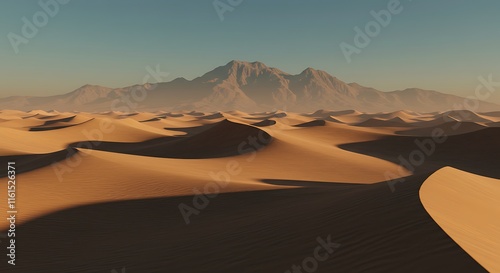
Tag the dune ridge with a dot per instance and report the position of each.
(289, 175)
(467, 207)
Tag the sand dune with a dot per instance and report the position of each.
(465, 115)
(26, 163)
(403, 115)
(473, 152)
(332, 119)
(213, 116)
(326, 113)
(377, 122)
(378, 232)
(491, 115)
(209, 143)
(266, 122)
(312, 123)
(58, 124)
(449, 128)
(467, 207)
(294, 177)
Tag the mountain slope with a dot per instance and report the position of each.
(248, 87)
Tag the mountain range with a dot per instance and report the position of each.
(245, 86)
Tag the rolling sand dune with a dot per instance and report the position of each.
(103, 190)
(151, 119)
(449, 128)
(473, 152)
(213, 116)
(465, 115)
(221, 140)
(332, 119)
(312, 123)
(266, 122)
(325, 113)
(352, 118)
(376, 122)
(491, 114)
(467, 207)
(406, 116)
(494, 124)
(56, 124)
(191, 130)
(390, 233)
(268, 115)
(30, 162)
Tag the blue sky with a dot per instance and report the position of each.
(440, 45)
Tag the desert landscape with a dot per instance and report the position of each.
(251, 192)
(237, 136)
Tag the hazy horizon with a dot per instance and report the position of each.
(169, 78)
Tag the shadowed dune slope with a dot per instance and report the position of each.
(260, 231)
(264, 123)
(475, 152)
(223, 139)
(111, 200)
(191, 130)
(449, 128)
(57, 124)
(312, 123)
(26, 163)
(375, 122)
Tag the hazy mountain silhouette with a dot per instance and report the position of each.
(249, 87)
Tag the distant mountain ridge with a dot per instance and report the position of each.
(248, 86)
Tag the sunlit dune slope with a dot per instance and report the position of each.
(467, 207)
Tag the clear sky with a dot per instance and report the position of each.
(441, 45)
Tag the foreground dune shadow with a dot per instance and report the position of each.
(261, 231)
(475, 152)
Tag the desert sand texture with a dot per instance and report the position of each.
(396, 192)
